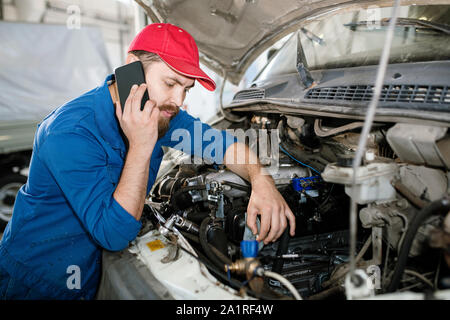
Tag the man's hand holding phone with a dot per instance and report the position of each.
(140, 127)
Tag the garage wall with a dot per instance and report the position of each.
(115, 19)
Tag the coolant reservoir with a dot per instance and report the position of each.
(373, 181)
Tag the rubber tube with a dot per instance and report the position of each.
(284, 282)
(441, 206)
(203, 236)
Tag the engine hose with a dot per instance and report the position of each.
(326, 293)
(203, 236)
(190, 188)
(190, 236)
(176, 195)
(197, 216)
(404, 191)
(441, 206)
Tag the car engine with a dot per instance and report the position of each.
(401, 190)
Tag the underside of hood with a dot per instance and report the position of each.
(231, 34)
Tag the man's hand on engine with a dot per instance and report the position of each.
(266, 201)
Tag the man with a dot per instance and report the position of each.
(86, 191)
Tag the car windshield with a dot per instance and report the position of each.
(356, 38)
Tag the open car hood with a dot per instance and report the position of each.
(231, 34)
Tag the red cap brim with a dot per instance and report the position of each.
(190, 71)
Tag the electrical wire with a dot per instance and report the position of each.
(370, 114)
(405, 228)
(419, 276)
(363, 249)
(303, 164)
(436, 277)
(385, 270)
(284, 282)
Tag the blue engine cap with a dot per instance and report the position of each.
(305, 183)
(249, 248)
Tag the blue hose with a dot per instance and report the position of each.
(303, 164)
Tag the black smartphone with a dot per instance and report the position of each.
(127, 76)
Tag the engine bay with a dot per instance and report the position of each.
(403, 221)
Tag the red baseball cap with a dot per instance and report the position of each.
(176, 47)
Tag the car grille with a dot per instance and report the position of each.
(389, 93)
(249, 94)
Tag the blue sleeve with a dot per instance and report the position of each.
(78, 164)
(194, 137)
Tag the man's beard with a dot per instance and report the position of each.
(163, 122)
